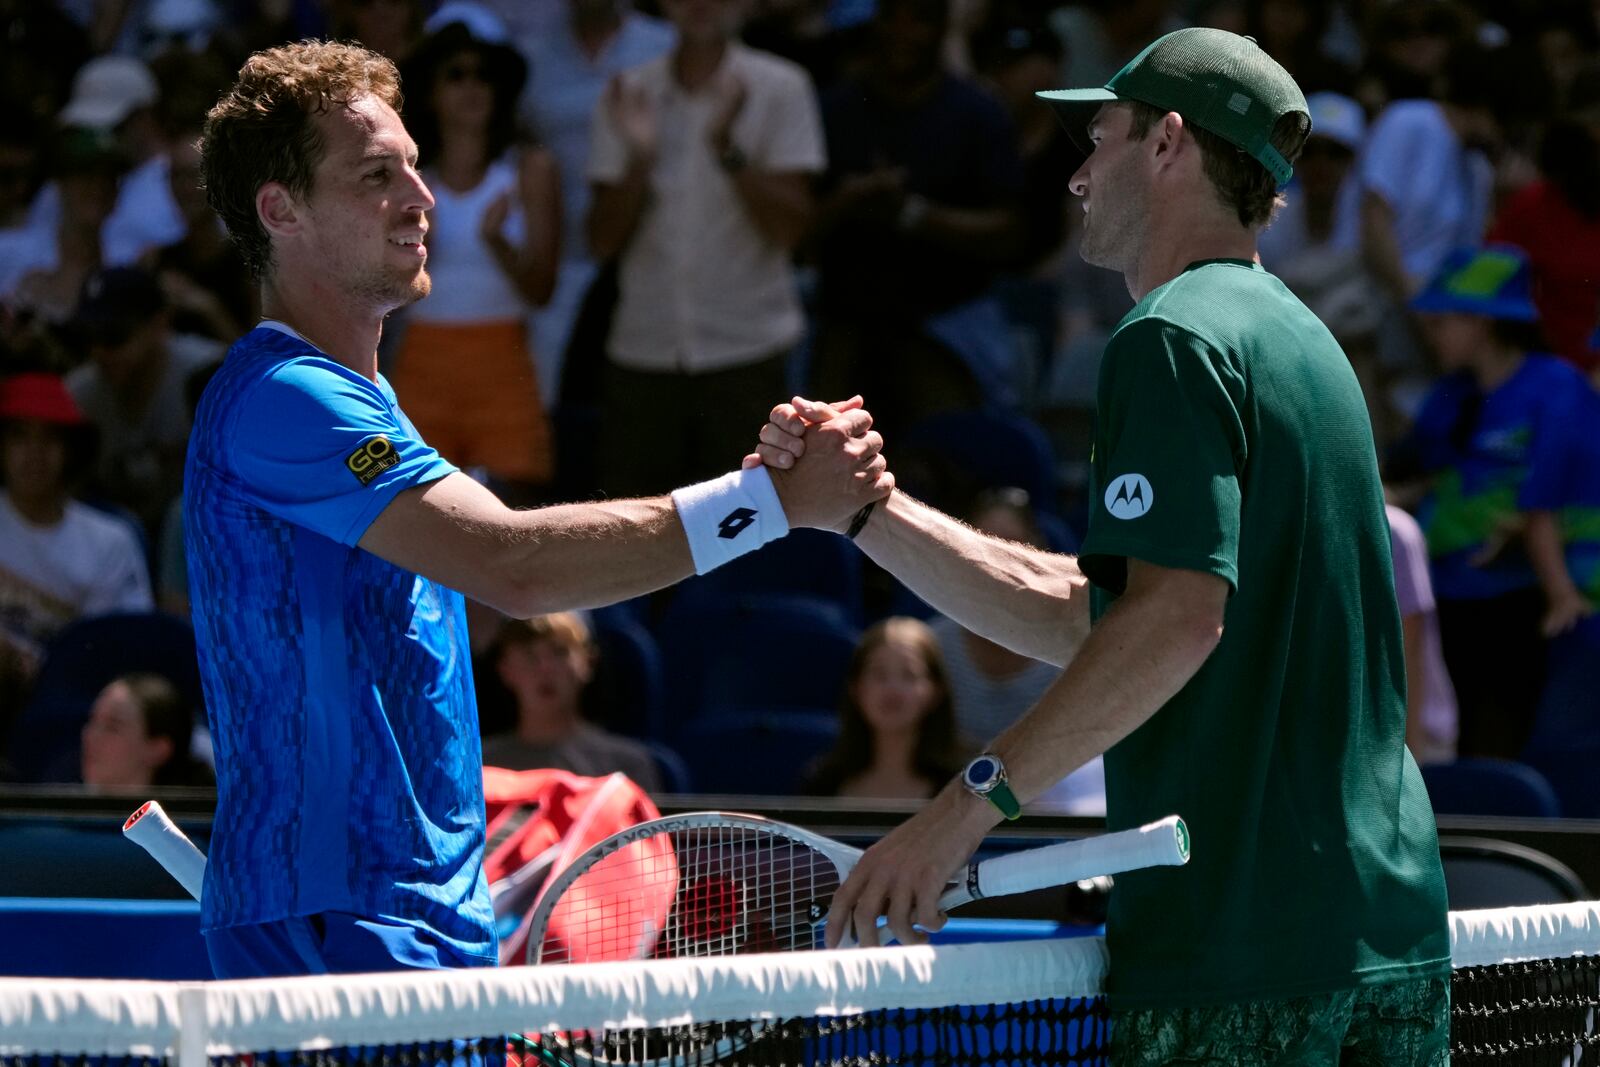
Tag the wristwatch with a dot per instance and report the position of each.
(985, 777)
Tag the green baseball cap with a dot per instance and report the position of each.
(1219, 81)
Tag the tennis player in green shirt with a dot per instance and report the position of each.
(1230, 633)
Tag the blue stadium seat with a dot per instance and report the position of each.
(809, 563)
(754, 749)
(780, 652)
(1565, 746)
(629, 691)
(675, 776)
(1490, 787)
(988, 449)
(78, 663)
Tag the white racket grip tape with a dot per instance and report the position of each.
(158, 835)
(1159, 844)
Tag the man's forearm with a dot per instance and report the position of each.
(1140, 654)
(1380, 250)
(780, 204)
(1542, 537)
(1034, 602)
(615, 211)
(990, 234)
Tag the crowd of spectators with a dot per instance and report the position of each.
(656, 218)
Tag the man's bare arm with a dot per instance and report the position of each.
(584, 555)
(1034, 602)
(527, 563)
(1146, 648)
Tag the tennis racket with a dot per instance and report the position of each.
(157, 834)
(721, 884)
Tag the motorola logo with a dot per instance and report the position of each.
(1129, 496)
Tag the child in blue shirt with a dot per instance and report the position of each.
(1495, 439)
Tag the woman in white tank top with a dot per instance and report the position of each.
(464, 373)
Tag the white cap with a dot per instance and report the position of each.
(1338, 118)
(483, 24)
(177, 18)
(107, 90)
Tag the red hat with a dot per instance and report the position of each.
(36, 395)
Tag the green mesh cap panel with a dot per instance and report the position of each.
(1216, 80)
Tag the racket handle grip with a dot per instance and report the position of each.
(1158, 844)
(151, 829)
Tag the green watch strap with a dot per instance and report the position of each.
(1003, 798)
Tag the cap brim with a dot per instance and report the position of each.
(1074, 108)
(96, 114)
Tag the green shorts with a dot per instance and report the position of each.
(1397, 1024)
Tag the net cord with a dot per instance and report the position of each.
(163, 1019)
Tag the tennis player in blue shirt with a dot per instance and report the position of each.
(329, 550)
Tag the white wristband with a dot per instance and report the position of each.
(729, 516)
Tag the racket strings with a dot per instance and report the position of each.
(694, 892)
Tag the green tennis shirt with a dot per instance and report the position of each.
(1232, 438)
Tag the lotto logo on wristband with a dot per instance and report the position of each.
(735, 523)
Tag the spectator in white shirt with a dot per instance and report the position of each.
(702, 166)
(59, 559)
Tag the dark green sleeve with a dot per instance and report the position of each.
(1169, 449)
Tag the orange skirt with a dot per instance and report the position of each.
(470, 390)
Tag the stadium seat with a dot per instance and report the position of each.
(1490, 787)
(754, 749)
(779, 652)
(950, 457)
(78, 663)
(675, 776)
(1482, 872)
(629, 691)
(809, 563)
(1565, 746)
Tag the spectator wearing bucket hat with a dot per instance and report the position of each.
(464, 372)
(1229, 631)
(59, 559)
(1491, 448)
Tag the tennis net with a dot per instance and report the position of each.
(1526, 990)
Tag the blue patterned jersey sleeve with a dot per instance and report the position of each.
(324, 448)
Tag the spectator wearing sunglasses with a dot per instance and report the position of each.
(465, 372)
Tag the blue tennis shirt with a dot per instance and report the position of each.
(338, 686)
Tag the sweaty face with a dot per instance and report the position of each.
(1115, 190)
(365, 213)
(895, 690)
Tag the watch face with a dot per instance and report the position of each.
(982, 771)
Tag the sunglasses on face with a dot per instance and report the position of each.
(460, 72)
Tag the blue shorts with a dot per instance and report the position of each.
(332, 942)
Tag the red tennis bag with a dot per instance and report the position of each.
(539, 822)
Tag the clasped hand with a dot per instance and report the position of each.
(825, 459)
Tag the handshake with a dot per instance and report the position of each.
(826, 461)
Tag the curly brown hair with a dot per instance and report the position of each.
(262, 129)
(1242, 183)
